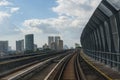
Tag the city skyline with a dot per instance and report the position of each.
(64, 18)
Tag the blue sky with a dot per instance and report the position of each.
(30, 9)
(65, 18)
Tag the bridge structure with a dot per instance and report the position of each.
(100, 38)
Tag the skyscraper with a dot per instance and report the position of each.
(29, 42)
(50, 40)
(53, 45)
(3, 46)
(20, 45)
(60, 45)
(57, 38)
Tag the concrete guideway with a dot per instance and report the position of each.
(75, 67)
(69, 73)
(7, 67)
(30, 69)
(18, 74)
(52, 74)
(106, 71)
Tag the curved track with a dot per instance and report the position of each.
(89, 73)
(76, 68)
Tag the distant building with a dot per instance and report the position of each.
(55, 43)
(9, 48)
(60, 47)
(20, 45)
(65, 47)
(45, 46)
(50, 40)
(57, 38)
(4, 46)
(35, 47)
(2, 54)
(29, 42)
(77, 45)
(53, 46)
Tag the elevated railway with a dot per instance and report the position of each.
(70, 65)
(8, 67)
(75, 67)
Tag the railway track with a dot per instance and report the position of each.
(89, 73)
(26, 72)
(70, 67)
(75, 67)
(6, 67)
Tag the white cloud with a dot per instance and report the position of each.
(72, 17)
(51, 25)
(4, 16)
(4, 3)
(14, 9)
(71, 13)
(6, 26)
(78, 8)
(39, 25)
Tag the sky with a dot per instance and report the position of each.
(43, 18)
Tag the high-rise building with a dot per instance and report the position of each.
(3, 46)
(60, 45)
(50, 40)
(29, 42)
(20, 45)
(57, 38)
(53, 45)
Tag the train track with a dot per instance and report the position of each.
(75, 67)
(25, 72)
(6, 67)
(71, 67)
(88, 71)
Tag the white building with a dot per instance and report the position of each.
(55, 43)
(50, 40)
(53, 46)
(57, 38)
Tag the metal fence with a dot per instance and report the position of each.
(100, 38)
